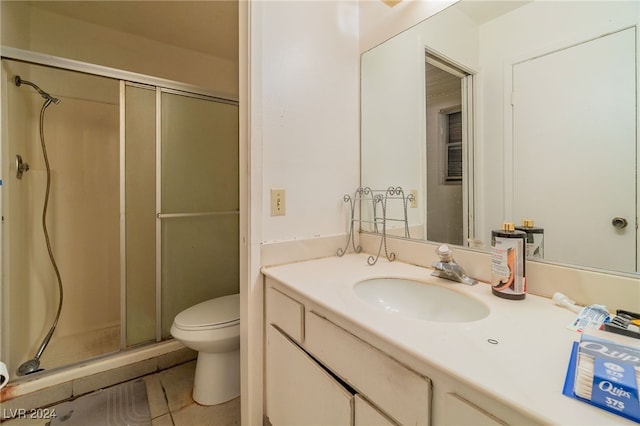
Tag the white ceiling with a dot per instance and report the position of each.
(209, 27)
(482, 11)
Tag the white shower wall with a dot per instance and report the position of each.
(84, 143)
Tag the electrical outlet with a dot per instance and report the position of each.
(414, 203)
(277, 202)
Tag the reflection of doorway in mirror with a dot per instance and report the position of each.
(579, 157)
(447, 142)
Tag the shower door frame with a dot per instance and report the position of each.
(125, 78)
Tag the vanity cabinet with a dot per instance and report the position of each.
(319, 374)
(404, 370)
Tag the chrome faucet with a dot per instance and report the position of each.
(447, 267)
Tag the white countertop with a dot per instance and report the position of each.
(525, 369)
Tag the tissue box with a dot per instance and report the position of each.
(604, 371)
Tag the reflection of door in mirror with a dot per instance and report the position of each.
(446, 148)
(592, 86)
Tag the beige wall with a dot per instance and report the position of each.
(46, 32)
(14, 24)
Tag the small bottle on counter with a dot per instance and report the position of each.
(508, 279)
(535, 239)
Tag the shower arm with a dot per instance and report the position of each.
(41, 92)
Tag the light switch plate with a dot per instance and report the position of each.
(277, 202)
(414, 203)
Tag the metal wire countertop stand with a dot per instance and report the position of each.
(378, 199)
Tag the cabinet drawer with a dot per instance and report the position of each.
(401, 393)
(299, 391)
(286, 313)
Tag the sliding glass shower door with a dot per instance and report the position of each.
(182, 224)
(199, 221)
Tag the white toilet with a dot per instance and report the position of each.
(213, 329)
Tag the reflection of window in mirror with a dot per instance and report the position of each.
(447, 143)
(451, 135)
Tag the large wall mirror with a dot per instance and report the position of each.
(494, 111)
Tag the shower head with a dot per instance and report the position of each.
(33, 365)
(29, 367)
(42, 93)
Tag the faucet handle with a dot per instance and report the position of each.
(444, 253)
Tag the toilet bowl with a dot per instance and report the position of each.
(213, 329)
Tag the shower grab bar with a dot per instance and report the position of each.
(174, 215)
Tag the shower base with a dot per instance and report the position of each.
(52, 386)
(71, 349)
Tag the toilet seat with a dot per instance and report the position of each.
(211, 314)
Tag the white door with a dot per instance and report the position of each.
(574, 150)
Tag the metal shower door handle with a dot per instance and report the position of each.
(619, 222)
(21, 167)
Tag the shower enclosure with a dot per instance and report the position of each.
(142, 217)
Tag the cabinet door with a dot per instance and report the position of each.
(368, 415)
(299, 391)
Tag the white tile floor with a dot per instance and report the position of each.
(170, 402)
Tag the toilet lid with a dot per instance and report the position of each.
(219, 312)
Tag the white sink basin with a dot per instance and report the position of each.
(420, 300)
